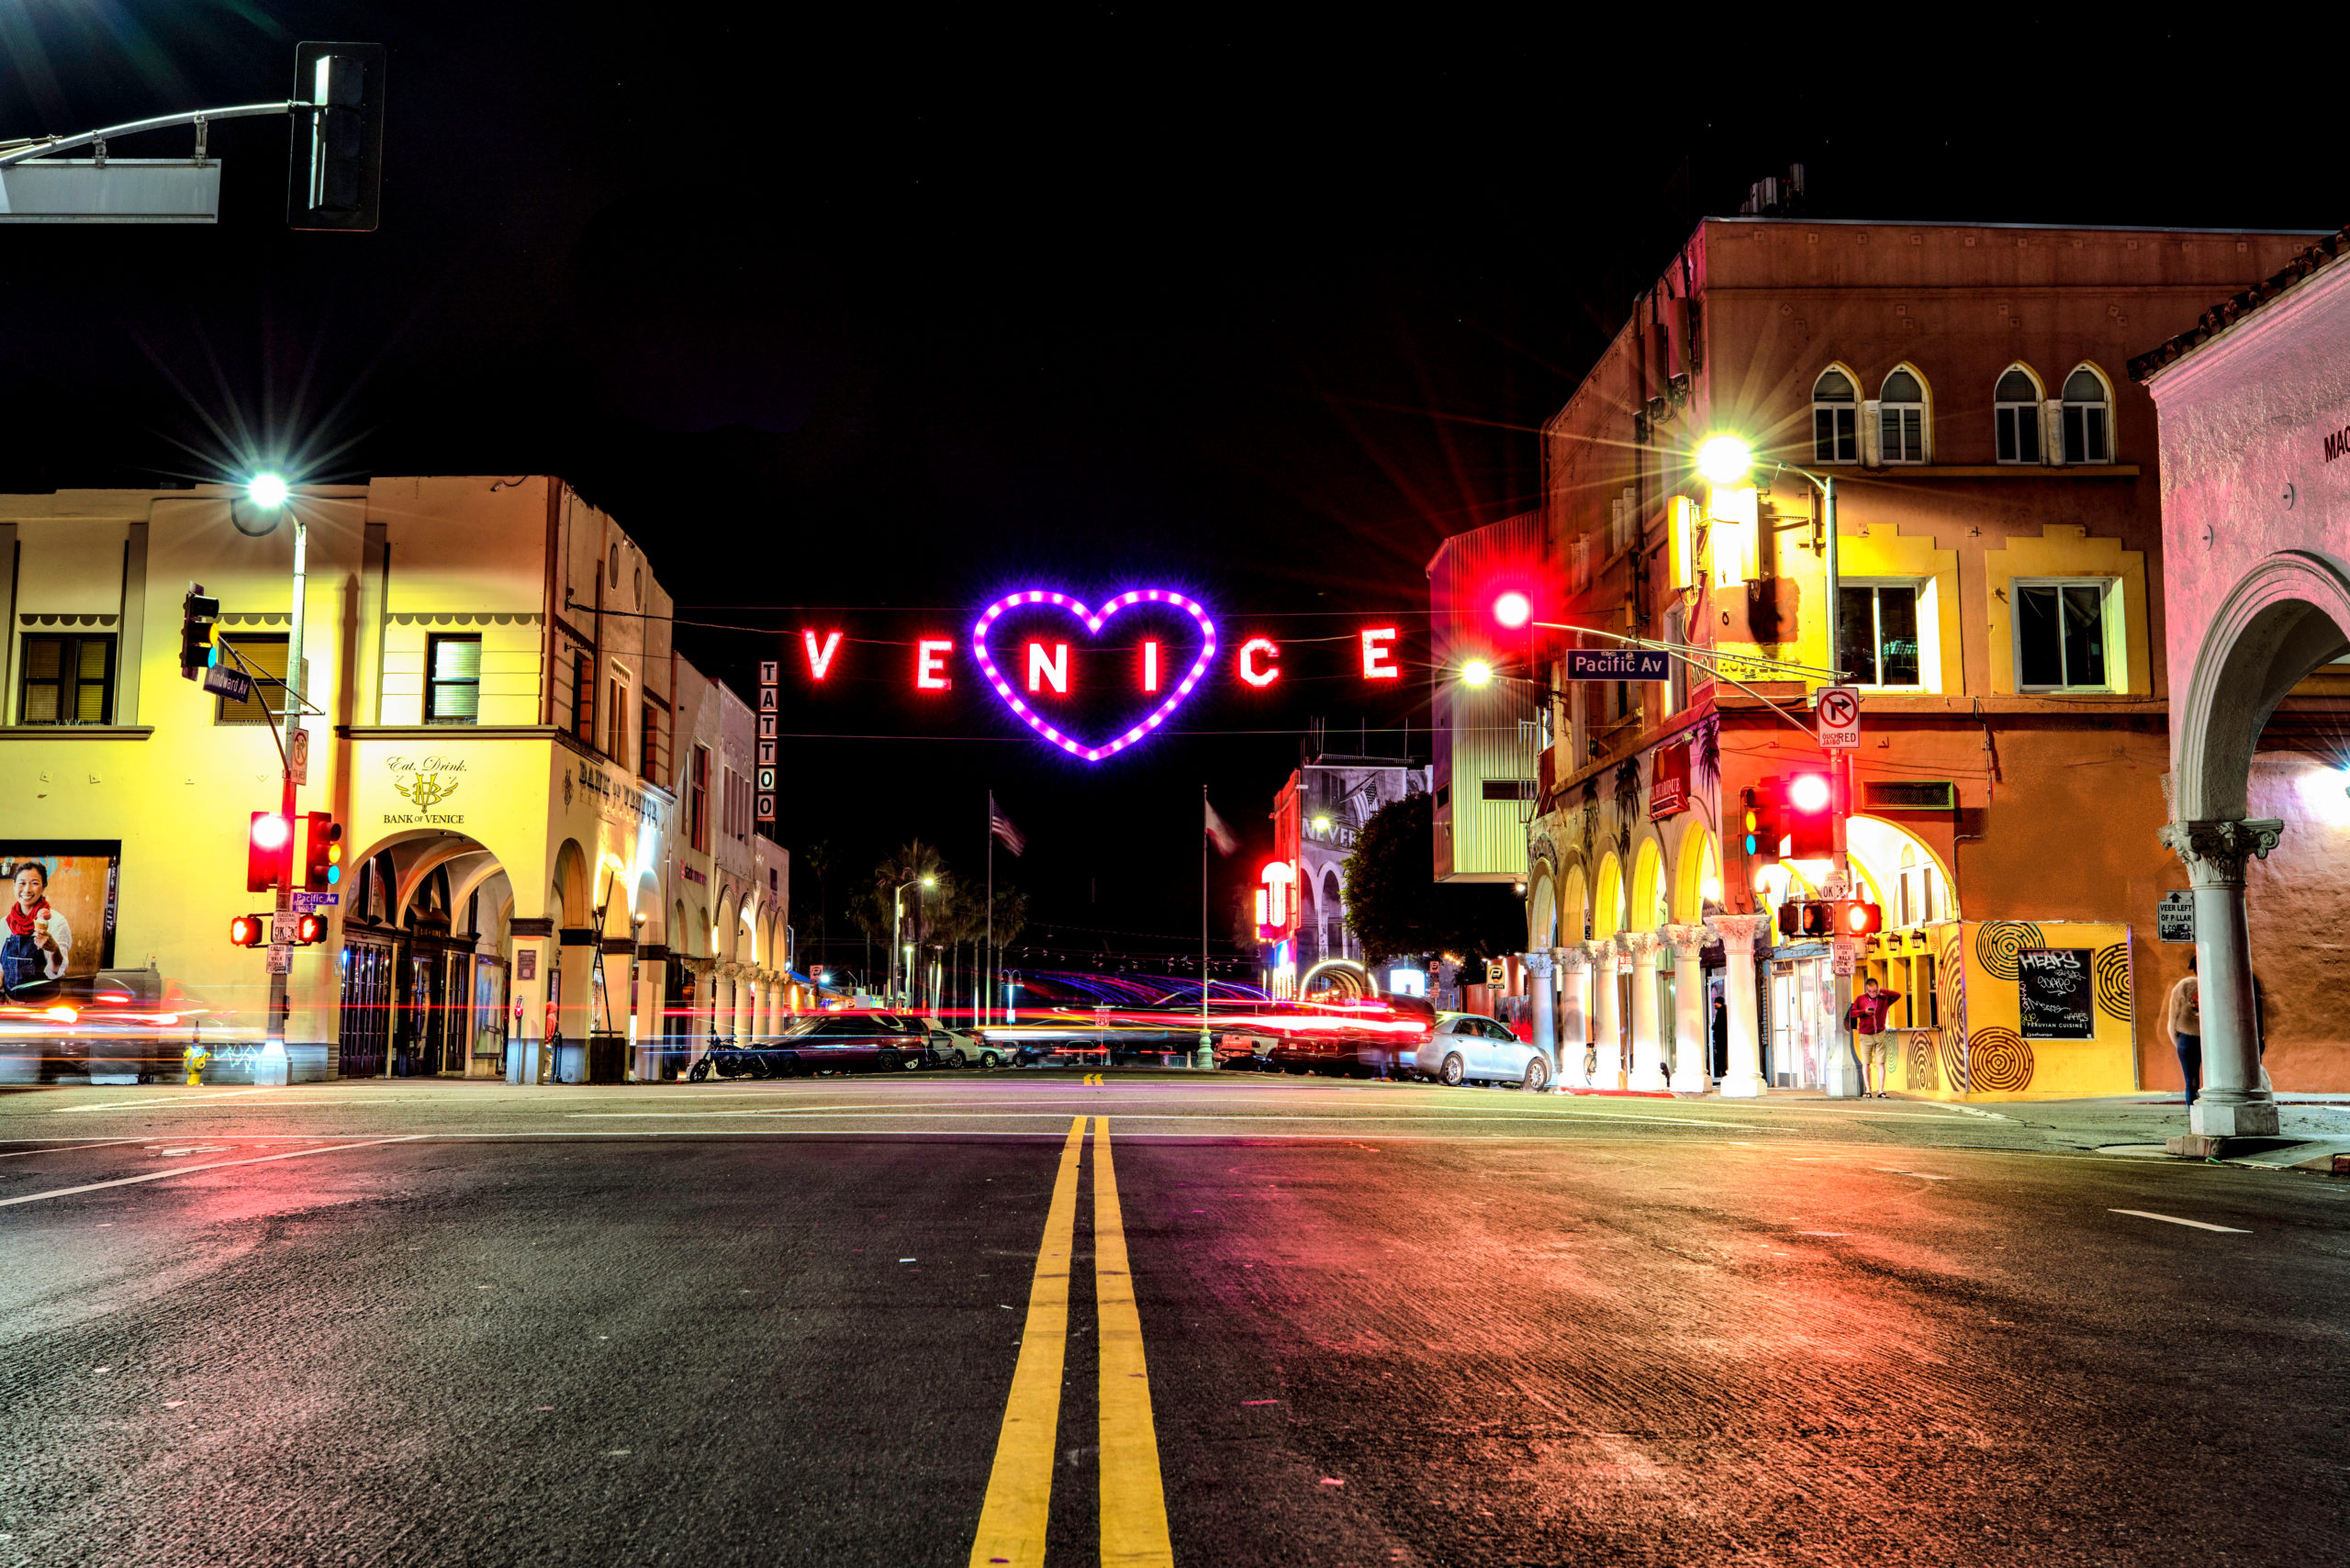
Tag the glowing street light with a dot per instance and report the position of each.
(266, 492)
(1476, 672)
(1513, 609)
(1724, 460)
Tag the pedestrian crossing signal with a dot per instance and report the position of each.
(1808, 919)
(246, 930)
(1859, 917)
(309, 930)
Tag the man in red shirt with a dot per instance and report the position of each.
(1866, 1018)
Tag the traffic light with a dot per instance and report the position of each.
(1807, 919)
(246, 930)
(1808, 804)
(1511, 609)
(338, 153)
(198, 616)
(1859, 917)
(310, 929)
(322, 852)
(266, 850)
(1762, 823)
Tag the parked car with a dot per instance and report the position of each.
(827, 1042)
(1468, 1047)
(958, 1047)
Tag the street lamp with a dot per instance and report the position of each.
(269, 494)
(896, 914)
(266, 492)
(1728, 459)
(1476, 672)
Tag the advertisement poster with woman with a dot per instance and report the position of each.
(60, 914)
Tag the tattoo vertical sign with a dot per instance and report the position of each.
(770, 671)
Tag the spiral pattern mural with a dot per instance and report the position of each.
(2112, 968)
(1922, 1074)
(1998, 1060)
(1996, 943)
(1949, 981)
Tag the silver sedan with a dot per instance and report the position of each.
(1468, 1047)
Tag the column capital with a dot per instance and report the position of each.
(1574, 959)
(1640, 945)
(1688, 941)
(1738, 932)
(2214, 852)
(1600, 951)
(1537, 963)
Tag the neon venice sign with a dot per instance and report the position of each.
(1021, 645)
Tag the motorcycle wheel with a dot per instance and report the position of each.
(699, 1071)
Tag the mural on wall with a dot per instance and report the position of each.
(1998, 1061)
(2113, 987)
(2028, 1008)
(1949, 980)
(1997, 942)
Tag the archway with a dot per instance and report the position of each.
(1542, 910)
(1608, 908)
(1334, 915)
(427, 949)
(2285, 618)
(1650, 909)
(1575, 906)
(1697, 875)
(1335, 980)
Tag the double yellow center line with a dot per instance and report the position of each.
(1020, 1487)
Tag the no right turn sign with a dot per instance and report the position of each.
(1837, 710)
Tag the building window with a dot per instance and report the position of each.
(583, 698)
(1835, 419)
(2089, 416)
(1901, 418)
(1877, 632)
(2016, 414)
(2060, 635)
(263, 658)
(452, 678)
(648, 738)
(1918, 897)
(616, 706)
(698, 799)
(68, 680)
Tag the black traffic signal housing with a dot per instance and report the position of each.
(1808, 815)
(1807, 919)
(336, 177)
(1762, 823)
(198, 616)
(321, 852)
(265, 838)
(1859, 917)
(310, 929)
(247, 930)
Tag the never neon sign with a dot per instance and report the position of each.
(1031, 650)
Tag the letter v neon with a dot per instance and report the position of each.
(819, 663)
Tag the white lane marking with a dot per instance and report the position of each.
(1334, 1118)
(2174, 1219)
(212, 1165)
(66, 1146)
(1895, 1170)
(170, 1100)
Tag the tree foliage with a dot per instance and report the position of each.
(1398, 908)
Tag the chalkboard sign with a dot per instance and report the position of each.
(2057, 993)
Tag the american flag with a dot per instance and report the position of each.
(1000, 825)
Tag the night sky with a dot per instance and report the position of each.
(863, 316)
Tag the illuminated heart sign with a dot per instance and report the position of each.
(1091, 751)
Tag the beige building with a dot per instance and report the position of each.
(492, 715)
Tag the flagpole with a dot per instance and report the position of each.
(988, 969)
(1206, 1045)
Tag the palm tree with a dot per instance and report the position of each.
(921, 866)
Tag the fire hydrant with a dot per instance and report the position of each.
(196, 1056)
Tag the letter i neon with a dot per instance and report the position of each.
(1150, 666)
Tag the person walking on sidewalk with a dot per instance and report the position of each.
(2186, 1020)
(1866, 1018)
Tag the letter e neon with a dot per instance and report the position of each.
(930, 663)
(1378, 657)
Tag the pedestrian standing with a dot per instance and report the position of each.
(1866, 1018)
(1722, 1039)
(2186, 1020)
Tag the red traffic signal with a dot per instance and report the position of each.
(322, 852)
(266, 843)
(1512, 610)
(246, 930)
(310, 929)
(1859, 917)
(1808, 802)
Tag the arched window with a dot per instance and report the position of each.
(1835, 419)
(2089, 417)
(2018, 416)
(1901, 418)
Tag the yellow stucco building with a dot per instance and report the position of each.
(533, 840)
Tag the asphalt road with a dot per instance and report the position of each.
(1303, 1323)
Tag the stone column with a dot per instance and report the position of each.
(2231, 1104)
(722, 1006)
(745, 992)
(1738, 933)
(1648, 1058)
(1575, 1012)
(1544, 999)
(1607, 1016)
(1690, 1047)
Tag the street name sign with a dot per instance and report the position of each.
(1837, 711)
(2175, 917)
(1618, 664)
(234, 684)
(310, 903)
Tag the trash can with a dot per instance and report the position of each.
(571, 1062)
(607, 1058)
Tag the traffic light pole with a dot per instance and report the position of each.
(1844, 1078)
(273, 1068)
